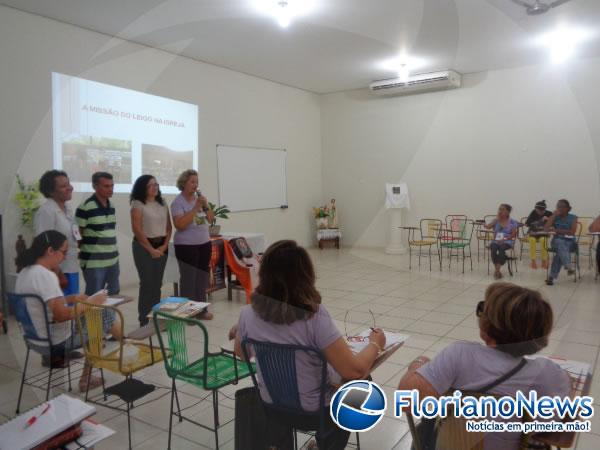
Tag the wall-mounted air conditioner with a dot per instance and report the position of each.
(434, 81)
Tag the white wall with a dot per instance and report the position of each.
(234, 109)
(514, 136)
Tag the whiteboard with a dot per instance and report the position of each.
(251, 178)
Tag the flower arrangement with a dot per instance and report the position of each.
(28, 200)
(321, 212)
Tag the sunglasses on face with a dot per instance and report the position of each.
(479, 308)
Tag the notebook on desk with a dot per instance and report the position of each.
(360, 341)
(64, 412)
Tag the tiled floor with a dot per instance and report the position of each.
(435, 308)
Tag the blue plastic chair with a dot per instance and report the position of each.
(35, 342)
(277, 365)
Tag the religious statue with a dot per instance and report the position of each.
(332, 219)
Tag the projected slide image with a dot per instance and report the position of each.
(164, 163)
(83, 156)
(97, 126)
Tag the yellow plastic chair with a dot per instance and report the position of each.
(523, 237)
(113, 360)
(482, 235)
(89, 324)
(429, 235)
(586, 240)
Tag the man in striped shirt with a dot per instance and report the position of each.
(98, 254)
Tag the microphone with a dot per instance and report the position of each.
(198, 195)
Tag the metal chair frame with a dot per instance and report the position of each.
(481, 235)
(93, 344)
(574, 254)
(586, 239)
(283, 389)
(178, 367)
(510, 258)
(32, 340)
(427, 238)
(452, 239)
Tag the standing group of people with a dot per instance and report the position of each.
(68, 241)
(540, 222)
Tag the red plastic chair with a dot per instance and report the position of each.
(241, 272)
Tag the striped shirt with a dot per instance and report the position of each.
(98, 234)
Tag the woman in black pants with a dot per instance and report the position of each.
(151, 226)
(193, 248)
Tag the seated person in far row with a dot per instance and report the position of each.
(564, 225)
(39, 262)
(535, 222)
(595, 228)
(505, 233)
(513, 322)
(286, 309)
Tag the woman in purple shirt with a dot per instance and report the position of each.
(193, 248)
(505, 233)
(513, 322)
(286, 309)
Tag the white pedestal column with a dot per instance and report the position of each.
(396, 245)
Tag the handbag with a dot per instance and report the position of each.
(250, 420)
(427, 429)
(253, 429)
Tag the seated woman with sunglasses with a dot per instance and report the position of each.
(286, 309)
(513, 322)
(39, 262)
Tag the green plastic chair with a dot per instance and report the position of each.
(455, 240)
(210, 372)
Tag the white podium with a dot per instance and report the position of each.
(395, 246)
(396, 198)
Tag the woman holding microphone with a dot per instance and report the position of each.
(193, 248)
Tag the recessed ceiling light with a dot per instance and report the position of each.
(563, 42)
(403, 66)
(284, 11)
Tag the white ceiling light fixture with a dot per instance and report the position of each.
(285, 11)
(563, 42)
(403, 66)
(404, 73)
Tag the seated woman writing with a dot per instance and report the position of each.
(39, 262)
(564, 225)
(513, 322)
(535, 222)
(505, 233)
(286, 309)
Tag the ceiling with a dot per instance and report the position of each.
(337, 46)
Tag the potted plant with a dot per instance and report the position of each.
(321, 214)
(28, 199)
(219, 212)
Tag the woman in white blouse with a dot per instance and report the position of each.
(55, 214)
(151, 226)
